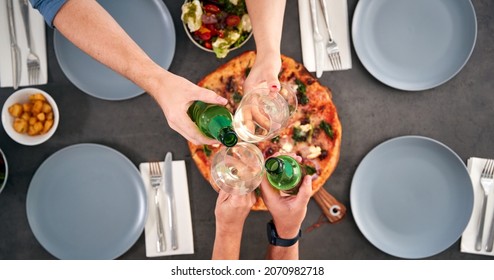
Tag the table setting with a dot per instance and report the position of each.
(181, 229)
(337, 17)
(26, 28)
(411, 81)
(475, 239)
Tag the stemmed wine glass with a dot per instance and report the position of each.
(238, 169)
(262, 114)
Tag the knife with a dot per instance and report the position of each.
(490, 239)
(14, 48)
(170, 197)
(318, 40)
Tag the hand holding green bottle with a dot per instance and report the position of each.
(214, 121)
(288, 211)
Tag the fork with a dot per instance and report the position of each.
(486, 180)
(332, 47)
(155, 179)
(33, 64)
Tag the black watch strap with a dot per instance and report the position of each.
(275, 240)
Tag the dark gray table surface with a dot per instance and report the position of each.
(459, 113)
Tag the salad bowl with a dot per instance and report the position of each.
(217, 26)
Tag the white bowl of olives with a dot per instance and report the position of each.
(30, 116)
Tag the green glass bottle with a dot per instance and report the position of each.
(214, 121)
(284, 173)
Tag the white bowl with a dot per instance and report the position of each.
(210, 50)
(187, 31)
(5, 169)
(22, 96)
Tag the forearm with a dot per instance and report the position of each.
(227, 244)
(88, 26)
(284, 231)
(282, 253)
(267, 25)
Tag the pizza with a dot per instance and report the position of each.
(313, 132)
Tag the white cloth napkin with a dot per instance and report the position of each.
(338, 20)
(475, 166)
(38, 42)
(184, 220)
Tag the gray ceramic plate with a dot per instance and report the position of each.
(87, 201)
(414, 45)
(148, 22)
(411, 197)
(4, 170)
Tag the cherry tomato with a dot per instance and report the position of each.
(205, 36)
(210, 8)
(203, 33)
(213, 29)
(221, 33)
(208, 45)
(232, 20)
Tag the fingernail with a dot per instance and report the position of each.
(276, 87)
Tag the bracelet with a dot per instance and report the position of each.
(275, 240)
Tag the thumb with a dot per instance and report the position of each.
(267, 191)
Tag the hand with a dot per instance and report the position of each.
(232, 210)
(113, 47)
(175, 95)
(288, 211)
(265, 70)
(267, 25)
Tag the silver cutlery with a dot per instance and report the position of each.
(14, 48)
(490, 239)
(332, 47)
(33, 63)
(167, 170)
(318, 40)
(155, 180)
(486, 180)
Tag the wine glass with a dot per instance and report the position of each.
(262, 114)
(238, 169)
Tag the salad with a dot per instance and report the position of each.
(217, 25)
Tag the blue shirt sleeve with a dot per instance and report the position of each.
(48, 8)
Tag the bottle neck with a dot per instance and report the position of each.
(284, 173)
(227, 136)
(282, 167)
(274, 166)
(214, 121)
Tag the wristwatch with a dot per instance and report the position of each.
(275, 240)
